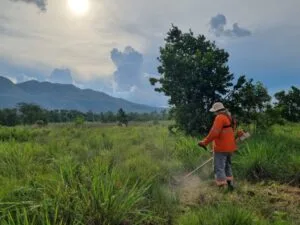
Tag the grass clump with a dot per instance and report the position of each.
(221, 215)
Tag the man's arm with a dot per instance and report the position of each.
(214, 131)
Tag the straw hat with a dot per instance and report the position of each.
(218, 106)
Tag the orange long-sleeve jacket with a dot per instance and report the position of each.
(222, 135)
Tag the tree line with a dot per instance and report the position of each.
(28, 113)
(194, 73)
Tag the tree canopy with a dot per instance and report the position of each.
(122, 117)
(289, 104)
(194, 74)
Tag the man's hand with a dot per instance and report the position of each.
(202, 144)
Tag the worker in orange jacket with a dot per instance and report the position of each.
(224, 144)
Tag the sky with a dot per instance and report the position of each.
(113, 45)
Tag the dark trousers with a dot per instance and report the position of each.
(222, 167)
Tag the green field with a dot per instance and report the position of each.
(94, 175)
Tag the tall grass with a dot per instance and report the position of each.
(221, 215)
(111, 175)
(102, 196)
(270, 157)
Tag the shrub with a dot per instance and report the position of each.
(79, 120)
(40, 123)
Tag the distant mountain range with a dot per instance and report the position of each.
(63, 96)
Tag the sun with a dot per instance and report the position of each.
(79, 7)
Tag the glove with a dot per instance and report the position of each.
(202, 144)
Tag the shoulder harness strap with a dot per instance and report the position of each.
(232, 121)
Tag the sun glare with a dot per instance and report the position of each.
(79, 7)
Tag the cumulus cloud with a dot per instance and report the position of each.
(217, 27)
(129, 68)
(41, 4)
(131, 78)
(62, 76)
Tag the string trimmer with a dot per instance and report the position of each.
(199, 167)
(195, 170)
(241, 137)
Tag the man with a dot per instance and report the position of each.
(223, 138)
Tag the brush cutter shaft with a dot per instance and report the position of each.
(199, 167)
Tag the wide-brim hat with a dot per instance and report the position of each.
(218, 106)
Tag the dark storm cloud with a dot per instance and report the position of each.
(239, 31)
(41, 4)
(217, 26)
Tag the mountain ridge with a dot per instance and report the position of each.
(64, 96)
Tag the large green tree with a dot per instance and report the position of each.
(194, 74)
(289, 104)
(247, 100)
(122, 117)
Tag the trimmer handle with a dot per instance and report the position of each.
(204, 147)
